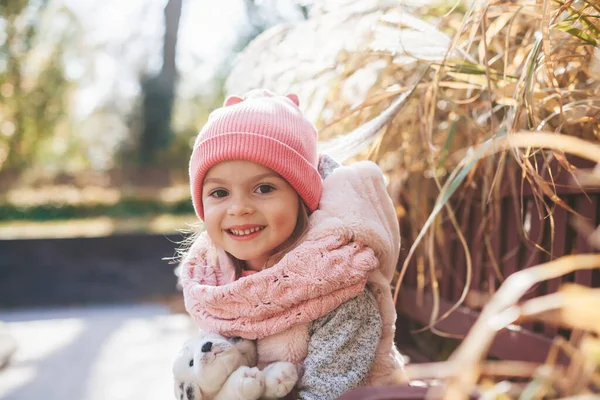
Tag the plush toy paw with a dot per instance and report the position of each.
(187, 391)
(252, 383)
(280, 378)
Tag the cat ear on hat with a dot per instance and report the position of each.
(294, 99)
(232, 100)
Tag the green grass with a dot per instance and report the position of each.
(122, 209)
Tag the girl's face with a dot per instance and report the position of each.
(249, 210)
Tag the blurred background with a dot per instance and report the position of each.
(100, 102)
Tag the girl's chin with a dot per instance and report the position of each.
(252, 262)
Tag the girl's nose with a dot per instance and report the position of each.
(240, 206)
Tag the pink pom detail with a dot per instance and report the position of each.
(232, 100)
(294, 99)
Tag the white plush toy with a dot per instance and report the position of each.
(212, 367)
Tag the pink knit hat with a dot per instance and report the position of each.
(264, 128)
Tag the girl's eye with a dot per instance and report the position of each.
(264, 189)
(218, 193)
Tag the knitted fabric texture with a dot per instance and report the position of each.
(352, 241)
(264, 128)
(284, 295)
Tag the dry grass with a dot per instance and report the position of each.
(455, 98)
(573, 306)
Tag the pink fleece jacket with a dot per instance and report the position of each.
(353, 240)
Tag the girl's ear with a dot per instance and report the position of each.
(231, 100)
(294, 99)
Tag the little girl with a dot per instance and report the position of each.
(296, 253)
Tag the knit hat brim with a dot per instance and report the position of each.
(294, 168)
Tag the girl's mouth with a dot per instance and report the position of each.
(245, 234)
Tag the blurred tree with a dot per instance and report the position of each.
(159, 91)
(32, 85)
(157, 141)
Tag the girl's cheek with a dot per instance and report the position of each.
(286, 216)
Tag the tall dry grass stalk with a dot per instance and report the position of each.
(467, 373)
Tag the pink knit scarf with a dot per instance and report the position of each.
(309, 282)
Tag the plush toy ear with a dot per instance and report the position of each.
(231, 100)
(294, 99)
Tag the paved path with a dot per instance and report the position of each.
(99, 353)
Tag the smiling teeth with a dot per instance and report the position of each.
(246, 231)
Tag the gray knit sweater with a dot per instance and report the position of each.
(342, 349)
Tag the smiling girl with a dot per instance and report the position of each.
(296, 253)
